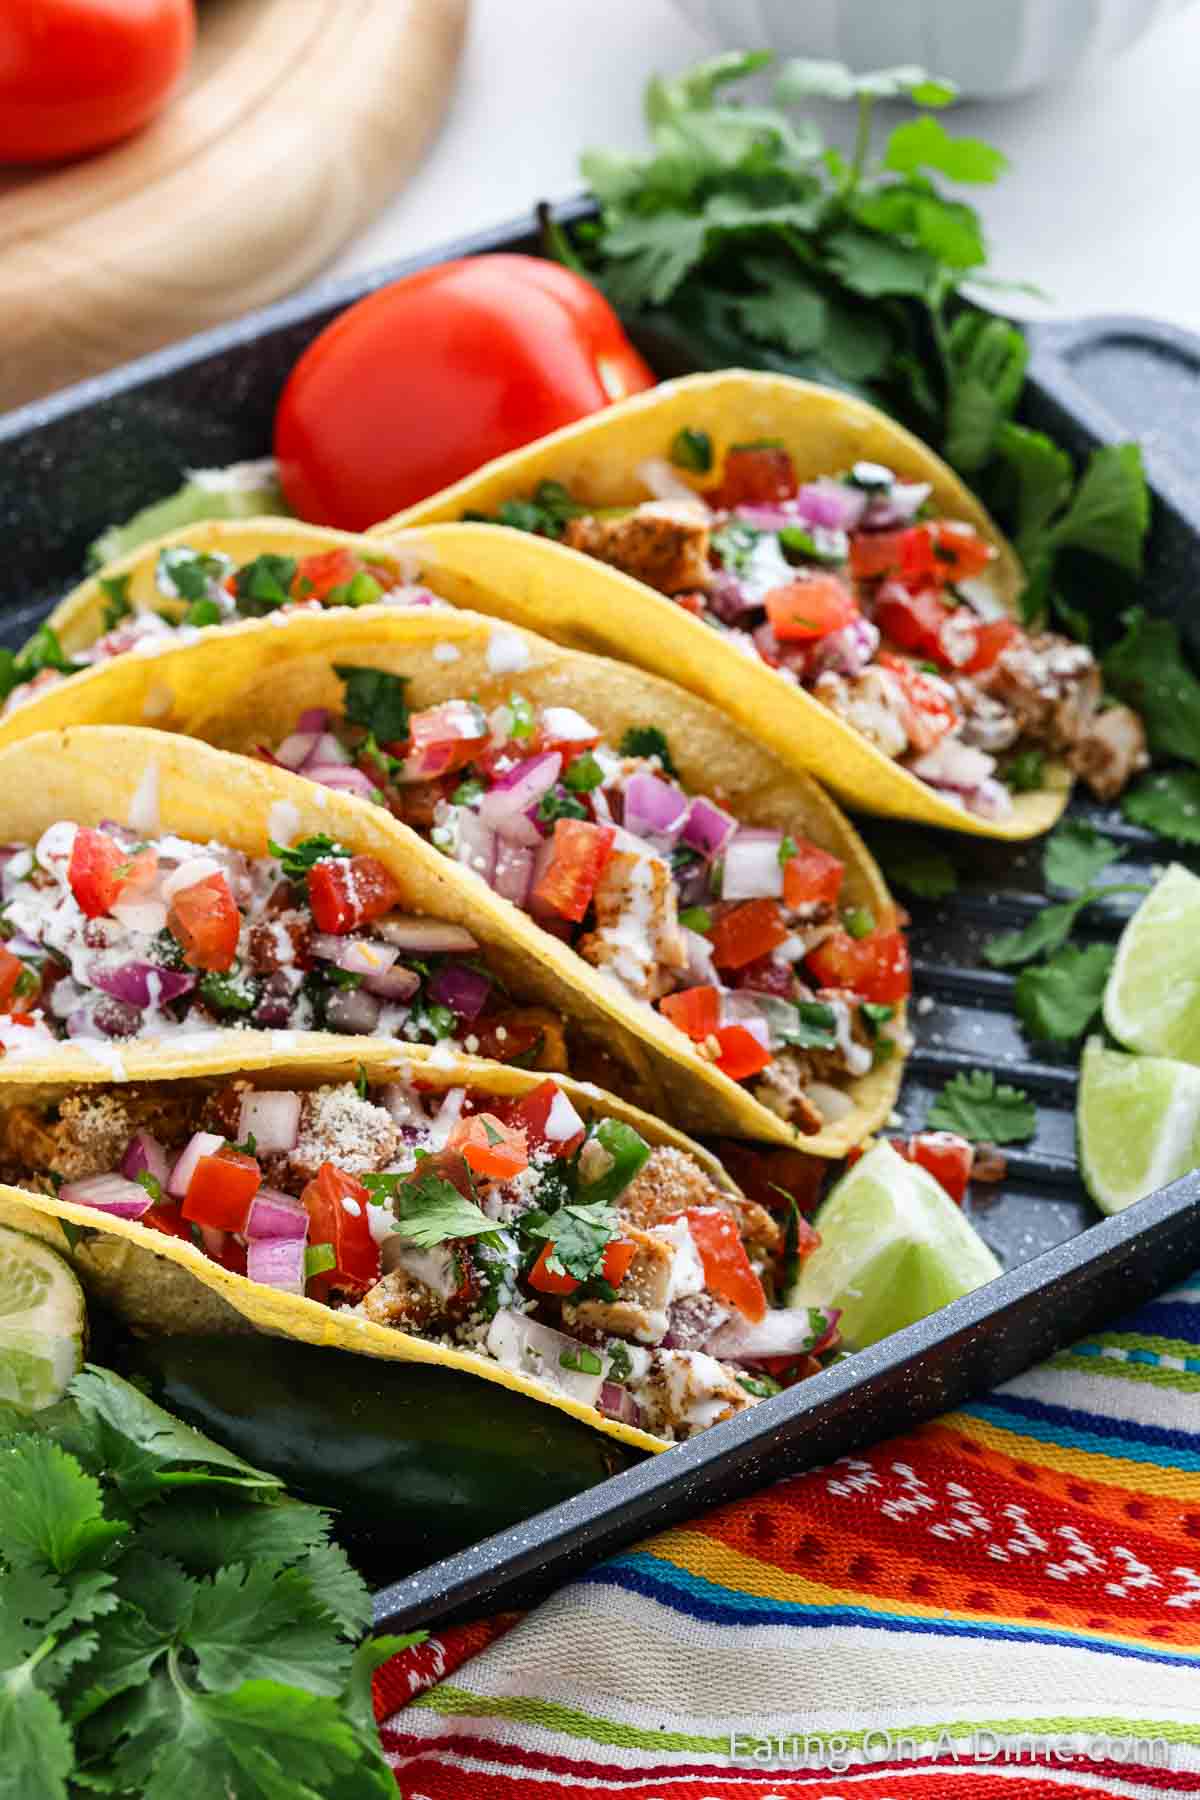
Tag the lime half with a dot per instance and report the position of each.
(1152, 1001)
(42, 1322)
(1139, 1124)
(894, 1247)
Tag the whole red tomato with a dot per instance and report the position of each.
(422, 382)
(76, 75)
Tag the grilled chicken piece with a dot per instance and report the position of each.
(671, 1182)
(92, 1130)
(640, 1309)
(871, 702)
(781, 1087)
(637, 936)
(398, 1299)
(685, 1391)
(338, 1126)
(663, 543)
(1051, 685)
(1110, 751)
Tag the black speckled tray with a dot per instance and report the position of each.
(71, 464)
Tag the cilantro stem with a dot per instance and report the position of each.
(862, 145)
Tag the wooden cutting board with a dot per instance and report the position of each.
(300, 118)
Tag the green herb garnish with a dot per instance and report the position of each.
(297, 859)
(583, 773)
(264, 584)
(117, 605)
(977, 1107)
(692, 450)
(582, 1360)
(648, 741)
(375, 700)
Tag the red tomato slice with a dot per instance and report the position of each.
(347, 891)
(205, 922)
(10, 973)
(911, 621)
(221, 1189)
(488, 353)
(876, 967)
(549, 1281)
(618, 1256)
(317, 577)
(581, 851)
(529, 1115)
(696, 1011)
(168, 1219)
(944, 1155)
(444, 738)
(336, 1205)
(92, 871)
(748, 930)
(920, 556)
(810, 607)
(958, 550)
(991, 641)
(812, 875)
(755, 475)
(742, 1054)
(929, 713)
(728, 1274)
(489, 1146)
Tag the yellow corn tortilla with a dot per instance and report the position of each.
(155, 779)
(579, 601)
(162, 1284)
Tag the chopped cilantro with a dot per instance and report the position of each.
(361, 1085)
(202, 612)
(264, 584)
(875, 1013)
(523, 722)
(979, 1108)
(429, 1209)
(468, 792)
(696, 918)
(583, 773)
(43, 651)
(816, 1027)
(735, 544)
(117, 604)
(297, 859)
(235, 991)
(648, 740)
(438, 1021)
(1059, 998)
(546, 513)
(620, 1363)
(559, 803)
(692, 450)
(189, 573)
(1168, 803)
(376, 700)
(579, 1233)
(787, 849)
(1026, 772)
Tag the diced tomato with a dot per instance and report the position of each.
(169, 1219)
(875, 967)
(491, 1148)
(748, 930)
(944, 1155)
(755, 475)
(316, 576)
(444, 738)
(992, 638)
(929, 713)
(347, 891)
(221, 1189)
(618, 1255)
(449, 1165)
(742, 1054)
(10, 973)
(567, 748)
(568, 882)
(912, 621)
(531, 1036)
(812, 875)
(696, 1011)
(921, 555)
(787, 1370)
(101, 870)
(958, 550)
(774, 1177)
(337, 1215)
(728, 1274)
(696, 604)
(529, 1115)
(810, 607)
(767, 976)
(205, 922)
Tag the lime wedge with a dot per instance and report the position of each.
(894, 1247)
(1152, 1001)
(243, 491)
(42, 1322)
(1139, 1124)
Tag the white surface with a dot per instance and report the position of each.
(1099, 209)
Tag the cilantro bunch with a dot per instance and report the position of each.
(744, 239)
(170, 1621)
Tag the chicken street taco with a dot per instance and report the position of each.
(426, 1209)
(810, 566)
(154, 887)
(114, 640)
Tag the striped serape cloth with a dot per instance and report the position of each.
(1003, 1605)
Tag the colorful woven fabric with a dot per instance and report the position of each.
(1003, 1603)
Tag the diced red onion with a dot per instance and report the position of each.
(272, 1117)
(729, 599)
(141, 984)
(990, 800)
(831, 504)
(422, 935)
(513, 873)
(782, 1331)
(111, 1194)
(274, 1009)
(462, 989)
(541, 862)
(519, 1342)
(396, 983)
(655, 810)
(352, 1010)
(899, 506)
(20, 945)
(342, 779)
(504, 806)
(752, 867)
(848, 651)
(477, 846)
(295, 749)
(361, 956)
(144, 1155)
(277, 1262)
(314, 719)
(274, 1214)
(954, 765)
(326, 749)
(768, 517)
(707, 827)
(201, 1143)
(616, 1402)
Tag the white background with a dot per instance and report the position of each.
(1101, 208)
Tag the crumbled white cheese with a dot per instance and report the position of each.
(446, 653)
(506, 653)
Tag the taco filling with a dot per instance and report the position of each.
(735, 935)
(617, 1274)
(198, 588)
(854, 589)
(109, 935)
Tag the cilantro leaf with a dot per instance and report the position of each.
(925, 143)
(263, 1738)
(188, 573)
(790, 310)
(648, 740)
(51, 1510)
(117, 605)
(264, 584)
(1042, 474)
(816, 1028)
(376, 700)
(692, 449)
(558, 802)
(976, 1106)
(1168, 803)
(873, 265)
(429, 1209)
(1046, 931)
(580, 1232)
(1148, 668)
(295, 860)
(33, 1736)
(653, 254)
(987, 361)
(263, 1623)
(1059, 999)
(918, 868)
(1110, 510)
(803, 76)
(1026, 772)
(1075, 854)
